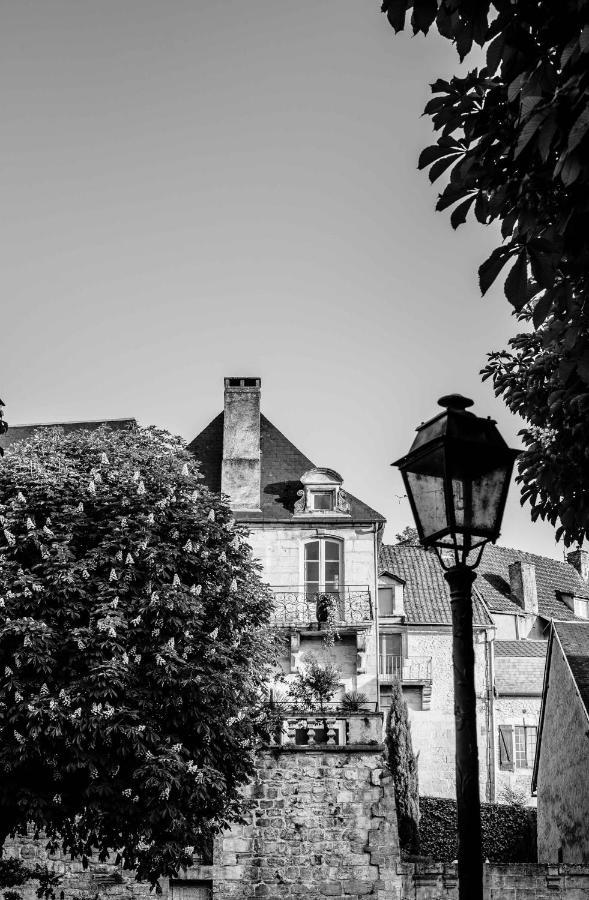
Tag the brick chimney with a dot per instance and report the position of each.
(522, 579)
(240, 471)
(579, 560)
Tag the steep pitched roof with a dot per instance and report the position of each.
(282, 465)
(573, 638)
(521, 648)
(552, 577)
(17, 433)
(426, 592)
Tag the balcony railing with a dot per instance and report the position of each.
(348, 605)
(405, 669)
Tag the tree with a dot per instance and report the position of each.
(315, 684)
(132, 650)
(403, 765)
(514, 137)
(409, 537)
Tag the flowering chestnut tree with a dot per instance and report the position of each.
(133, 653)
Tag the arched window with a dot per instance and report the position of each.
(323, 566)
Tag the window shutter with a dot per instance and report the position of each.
(506, 748)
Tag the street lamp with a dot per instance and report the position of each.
(457, 475)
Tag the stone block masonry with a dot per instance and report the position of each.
(322, 824)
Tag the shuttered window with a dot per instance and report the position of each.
(506, 747)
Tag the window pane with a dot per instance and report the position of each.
(332, 550)
(428, 496)
(322, 499)
(386, 601)
(531, 734)
(312, 572)
(520, 746)
(312, 550)
(332, 573)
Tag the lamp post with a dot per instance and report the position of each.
(457, 475)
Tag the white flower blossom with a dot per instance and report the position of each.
(214, 634)
(114, 603)
(104, 459)
(85, 573)
(80, 508)
(187, 546)
(30, 524)
(136, 621)
(233, 585)
(196, 589)
(195, 495)
(151, 519)
(185, 469)
(57, 799)
(124, 521)
(21, 497)
(76, 713)
(160, 661)
(141, 488)
(136, 475)
(119, 555)
(10, 538)
(91, 487)
(211, 515)
(127, 792)
(177, 748)
(97, 478)
(175, 581)
(113, 576)
(129, 561)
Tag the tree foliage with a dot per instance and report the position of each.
(315, 683)
(403, 765)
(409, 537)
(132, 652)
(514, 140)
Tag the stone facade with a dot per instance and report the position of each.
(563, 771)
(433, 729)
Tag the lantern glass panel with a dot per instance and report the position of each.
(487, 493)
(428, 497)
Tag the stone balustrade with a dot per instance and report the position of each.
(329, 729)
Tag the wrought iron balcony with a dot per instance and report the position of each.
(405, 669)
(350, 605)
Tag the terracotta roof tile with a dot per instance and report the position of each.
(574, 640)
(552, 576)
(427, 596)
(521, 648)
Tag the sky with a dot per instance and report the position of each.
(193, 190)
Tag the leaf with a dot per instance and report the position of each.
(570, 169)
(584, 39)
(424, 13)
(491, 268)
(441, 165)
(516, 283)
(450, 195)
(495, 53)
(579, 130)
(395, 11)
(543, 267)
(583, 370)
(542, 309)
(460, 212)
(545, 137)
(529, 130)
(431, 154)
(516, 85)
(568, 52)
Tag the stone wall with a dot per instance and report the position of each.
(514, 711)
(433, 881)
(563, 771)
(323, 824)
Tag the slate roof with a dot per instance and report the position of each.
(426, 592)
(573, 637)
(282, 465)
(17, 433)
(521, 648)
(552, 576)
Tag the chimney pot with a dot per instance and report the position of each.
(579, 560)
(522, 580)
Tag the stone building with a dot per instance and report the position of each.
(561, 771)
(516, 595)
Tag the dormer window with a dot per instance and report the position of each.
(322, 494)
(324, 500)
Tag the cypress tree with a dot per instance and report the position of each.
(403, 765)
